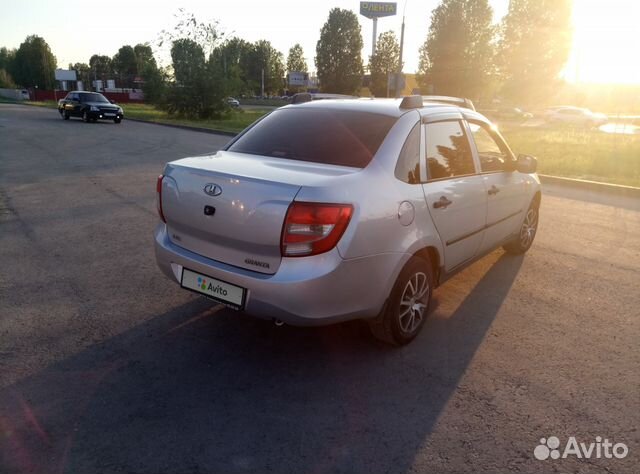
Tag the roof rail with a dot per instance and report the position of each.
(443, 99)
(411, 102)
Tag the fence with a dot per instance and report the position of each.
(121, 97)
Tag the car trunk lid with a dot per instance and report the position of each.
(231, 207)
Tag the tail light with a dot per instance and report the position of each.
(159, 197)
(311, 228)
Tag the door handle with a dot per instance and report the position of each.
(442, 203)
(493, 190)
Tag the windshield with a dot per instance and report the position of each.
(346, 138)
(92, 97)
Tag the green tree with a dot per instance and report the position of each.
(199, 88)
(100, 67)
(295, 59)
(188, 61)
(199, 85)
(338, 53)
(125, 65)
(232, 58)
(207, 34)
(144, 57)
(155, 85)
(383, 62)
(6, 58)
(6, 67)
(534, 47)
(457, 57)
(6, 81)
(263, 56)
(83, 73)
(34, 64)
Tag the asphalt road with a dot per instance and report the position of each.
(107, 367)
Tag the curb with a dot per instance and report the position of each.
(593, 186)
(186, 127)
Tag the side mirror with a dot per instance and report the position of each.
(526, 164)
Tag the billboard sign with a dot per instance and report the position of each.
(378, 9)
(298, 79)
(65, 75)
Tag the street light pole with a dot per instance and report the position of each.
(398, 88)
(375, 36)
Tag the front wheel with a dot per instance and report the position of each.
(117, 120)
(408, 305)
(85, 117)
(522, 242)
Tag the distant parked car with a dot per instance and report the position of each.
(514, 114)
(575, 116)
(234, 103)
(90, 106)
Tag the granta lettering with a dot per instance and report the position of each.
(258, 263)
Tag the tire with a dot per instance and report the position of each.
(523, 241)
(85, 117)
(117, 120)
(404, 315)
(65, 115)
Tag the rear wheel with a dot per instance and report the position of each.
(522, 242)
(408, 305)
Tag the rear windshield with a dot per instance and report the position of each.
(336, 137)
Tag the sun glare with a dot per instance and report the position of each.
(606, 42)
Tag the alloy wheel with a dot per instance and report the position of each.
(528, 230)
(413, 304)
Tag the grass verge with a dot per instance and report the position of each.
(235, 121)
(582, 154)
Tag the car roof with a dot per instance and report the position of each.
(389, 107)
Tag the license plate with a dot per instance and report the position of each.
(218, 290)
(109, 115)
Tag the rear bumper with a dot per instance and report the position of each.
(308, 291)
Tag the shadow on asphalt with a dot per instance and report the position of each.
(195, 390)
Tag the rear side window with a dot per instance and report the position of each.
(408, 166)
(448, 151)
(336, 137)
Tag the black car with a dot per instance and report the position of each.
(91, 106)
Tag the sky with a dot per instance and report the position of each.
(606, 41)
